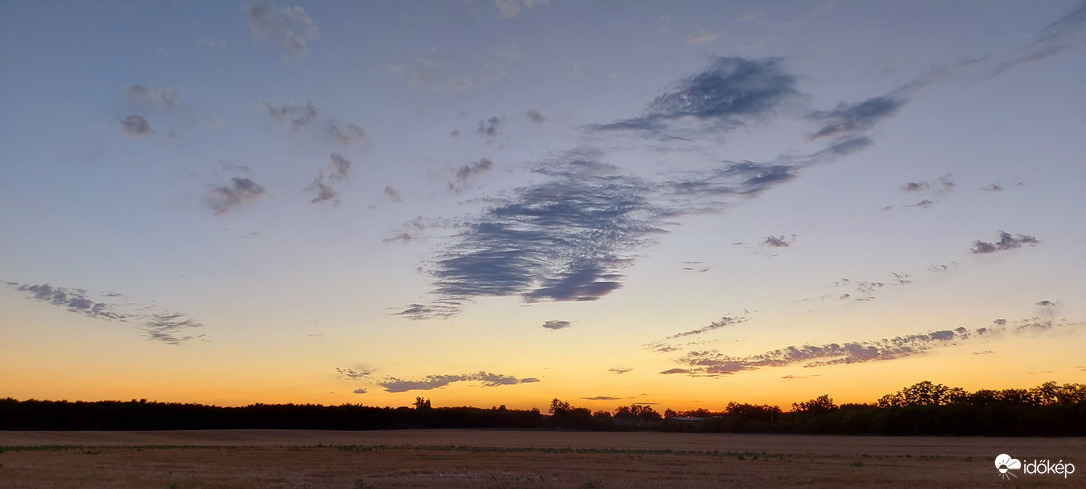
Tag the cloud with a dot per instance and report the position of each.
(722, 323)
(714, 363)
(535, 116)
(510, 8)
(852, 118)
(557, 324)
(462, 178)
(359, 391)
(157, 324)
(675, 371)
(429, 73)
(393, 194)
(500, 56)
(1006, 242)
(324, 192)
(751, 16)
(346, 133)
(619, 371)
(431, 382)
(776, 242)
(297, 115)
(338, 170)
(701, 37)
(1047, 303)
(225, 198)
(416, 312)
(993, 188)
(489, 127)
(136, 126)
(602, 398)
(158, 97)
(663, 24)
(353, 374)
(568, 236)
(941, 186)
(289, 27)
(730, 92)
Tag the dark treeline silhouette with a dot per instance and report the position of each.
(924, 408)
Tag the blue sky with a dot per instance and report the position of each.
(505, 202)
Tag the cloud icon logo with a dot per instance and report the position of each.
(1005, 463)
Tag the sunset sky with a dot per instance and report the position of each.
(502, 202)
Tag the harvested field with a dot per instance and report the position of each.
(528, 459)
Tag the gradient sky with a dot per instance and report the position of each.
(483, 203)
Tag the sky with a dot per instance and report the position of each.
(678, 204)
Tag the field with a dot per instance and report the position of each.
(516, 459)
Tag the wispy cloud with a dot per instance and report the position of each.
(555, 324)
(535, 116)
(731, 92)
(777, 241)
(155, 97)
(853, 118)
(619, 370)
(1006, 242)
(297, 115)
(239, 192)
(345, 133)
(511, 8)
(336, 171)
(602, 398)
(137, 126)
(393, 194)
(462, 178)
(158, 324)
(489, 127)
(702, 37)
(431, 382)
(288, 27)
(714, 363)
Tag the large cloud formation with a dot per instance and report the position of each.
(567, 237)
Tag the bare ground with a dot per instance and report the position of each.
(526, 459)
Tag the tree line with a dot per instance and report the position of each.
(924, 408)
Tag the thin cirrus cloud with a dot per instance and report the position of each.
(702, 37)
(1006, 242)
(239, 192)
(431, 382)
(715, 363)
(289, 28)
(158, 324)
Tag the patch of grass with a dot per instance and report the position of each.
(858, 463)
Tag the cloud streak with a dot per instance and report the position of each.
(715, 363)
(430, 382)
(158, 324)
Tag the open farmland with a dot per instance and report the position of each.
(529, 459)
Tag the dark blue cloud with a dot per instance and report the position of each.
(730, 92)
